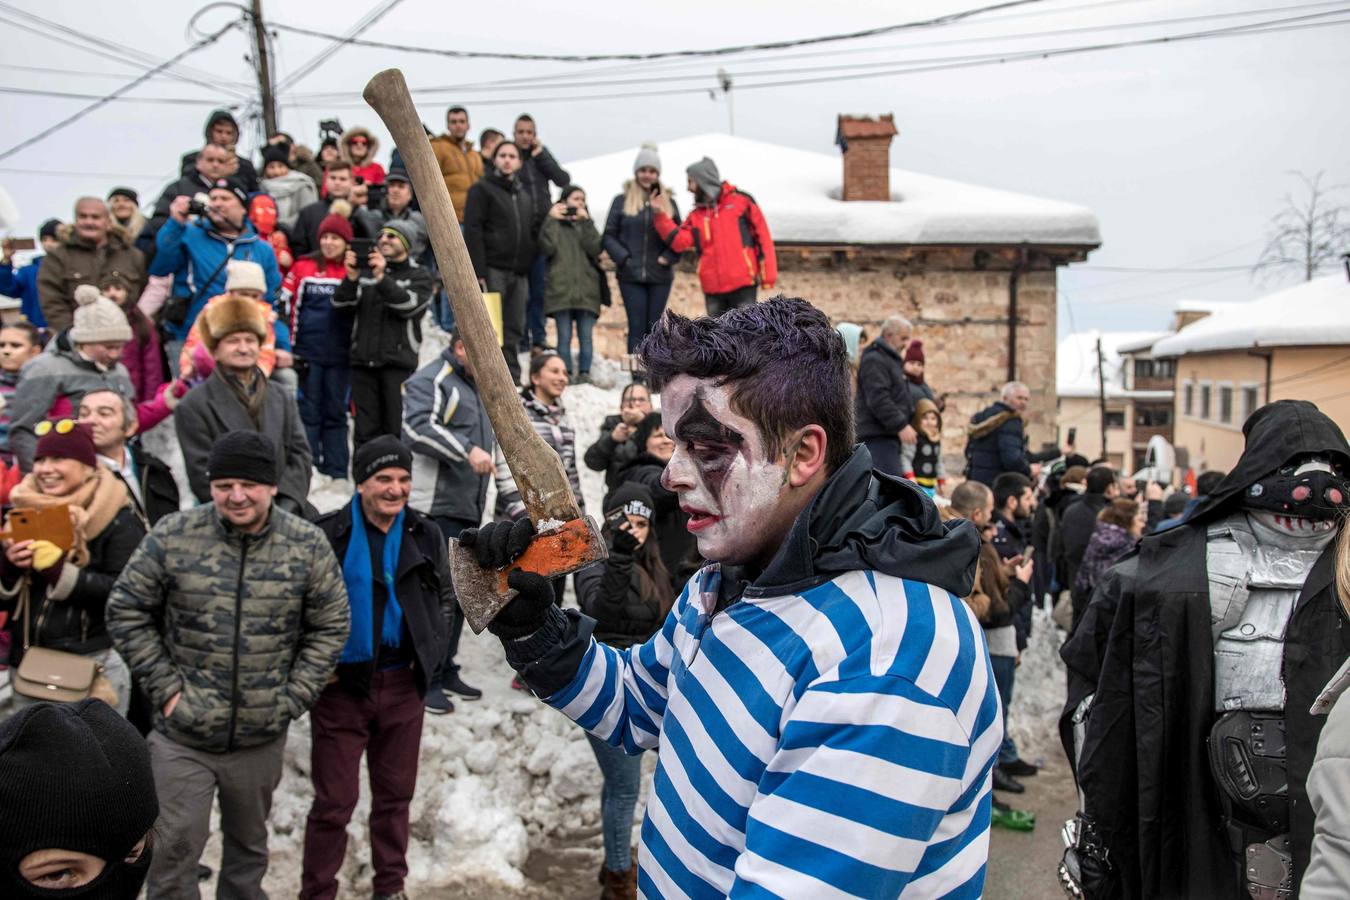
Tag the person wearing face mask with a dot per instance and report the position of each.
(1193, 676)
(645, 264)
(77, 804)
(629, 596)
(56, 597)
(831, 599)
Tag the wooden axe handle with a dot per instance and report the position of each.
(537, 469)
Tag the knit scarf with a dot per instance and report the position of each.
(360, 646)
(251, 395)
(93, 506)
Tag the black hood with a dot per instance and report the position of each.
(863, 519)
(1275, 434)
(219, 115)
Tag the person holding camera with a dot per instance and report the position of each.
(573, 295)
(195, 246)
(629, 597)
(615, 448)
(644, 266)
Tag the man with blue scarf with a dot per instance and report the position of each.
(397, 572)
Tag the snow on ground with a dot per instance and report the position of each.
(506, 776)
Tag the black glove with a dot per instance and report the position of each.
(623, 542)
(497, 545)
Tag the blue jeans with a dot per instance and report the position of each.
(323, 409)
(1005, 672)
(618, 798)
(534, 310)
(585, 321)
(643, 304)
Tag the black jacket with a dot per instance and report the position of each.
(1002, 450)
(679, 549)
(1077, 523)
(388, 319)
(1145, 648)
(636, 248)
(534, 175)
(159, 492)
(191, 184)
(611, 593)
(501, 224)
(422, 583)
(72, 611)
(883, 405)
(610, 456)
(860, 520)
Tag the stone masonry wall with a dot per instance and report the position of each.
(960, 314)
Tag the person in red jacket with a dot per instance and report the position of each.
(728, 232)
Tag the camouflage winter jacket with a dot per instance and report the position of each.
(248, 627)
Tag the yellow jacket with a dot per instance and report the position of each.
(461, 166)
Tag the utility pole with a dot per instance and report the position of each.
(1101, 393)
(725, 81)
(264, 69)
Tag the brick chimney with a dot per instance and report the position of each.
(866, 145)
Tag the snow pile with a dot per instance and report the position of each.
(1312, 313)
(1039, 692)
(799, 192)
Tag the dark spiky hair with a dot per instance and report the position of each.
(785, 363)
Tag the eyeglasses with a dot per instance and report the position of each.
(358, 140)
(62, 426)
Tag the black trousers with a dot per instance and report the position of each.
(377, 394)
(720, 303)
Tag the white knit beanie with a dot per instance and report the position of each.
(647, 156)
(242, 275)
(97, 318)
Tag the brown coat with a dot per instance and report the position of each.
(461, 166)
(76, 262)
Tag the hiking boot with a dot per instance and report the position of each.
(583, 378)
(1020, 768)
(437, 703)
(1005, 782)
(619, 885)
(455, 685)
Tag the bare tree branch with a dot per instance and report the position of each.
(1310, 233)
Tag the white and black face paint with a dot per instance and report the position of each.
(720, 469)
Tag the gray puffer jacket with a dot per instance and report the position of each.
(1329, 795)
(247, 627)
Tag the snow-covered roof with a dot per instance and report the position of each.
(1312, 313)
(1195, 305)
(1076, 364)
(799, 192)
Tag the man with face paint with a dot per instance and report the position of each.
(820, 700)
(1192, 675)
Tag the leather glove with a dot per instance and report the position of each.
(623, 542)
(497, 545)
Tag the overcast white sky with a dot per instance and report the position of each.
(1182, 150)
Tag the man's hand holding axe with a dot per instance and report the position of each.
(557, 539)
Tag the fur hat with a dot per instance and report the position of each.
(647, 157)
(226, 315)
(97, 318)
(245, 275)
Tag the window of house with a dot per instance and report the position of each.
(1165, 368)
(1115, 418)
(1143, 369)
(1188, 399)
(1153, 416)
(1226, 404)
(1205, 393)
(1251, 398)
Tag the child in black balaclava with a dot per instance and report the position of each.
(77, 802)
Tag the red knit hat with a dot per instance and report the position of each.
(335, 224)
(65, 439)
(914, 353)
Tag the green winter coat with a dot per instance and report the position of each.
(247, 627)
(572, 248)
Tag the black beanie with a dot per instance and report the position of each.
(383, 452)
(631, 497)
(234, 186)
(246, 455)
(48, 228)
(277, 153)
(74, 776)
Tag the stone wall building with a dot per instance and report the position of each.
(973, 268)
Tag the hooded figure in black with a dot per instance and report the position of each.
(1192, 674)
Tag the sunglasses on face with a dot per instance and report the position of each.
(62, 426)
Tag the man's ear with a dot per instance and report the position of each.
(805, 455)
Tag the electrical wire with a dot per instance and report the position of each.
(1147, 270)
(68, 95)
(108, 98)
(946, 19)
(338, 43)
(916, 67)
(56, 173)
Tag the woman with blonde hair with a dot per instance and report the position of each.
(55, 596)
(643, 263)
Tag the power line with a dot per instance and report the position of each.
(917, 67)
(67, 95)
(1147, 270)
(56, 173)
(338, 43)
(131, 85)
(665, 54)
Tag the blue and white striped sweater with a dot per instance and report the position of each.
(834, 743)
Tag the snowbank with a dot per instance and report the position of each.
(1308, 314)
(799, 192)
